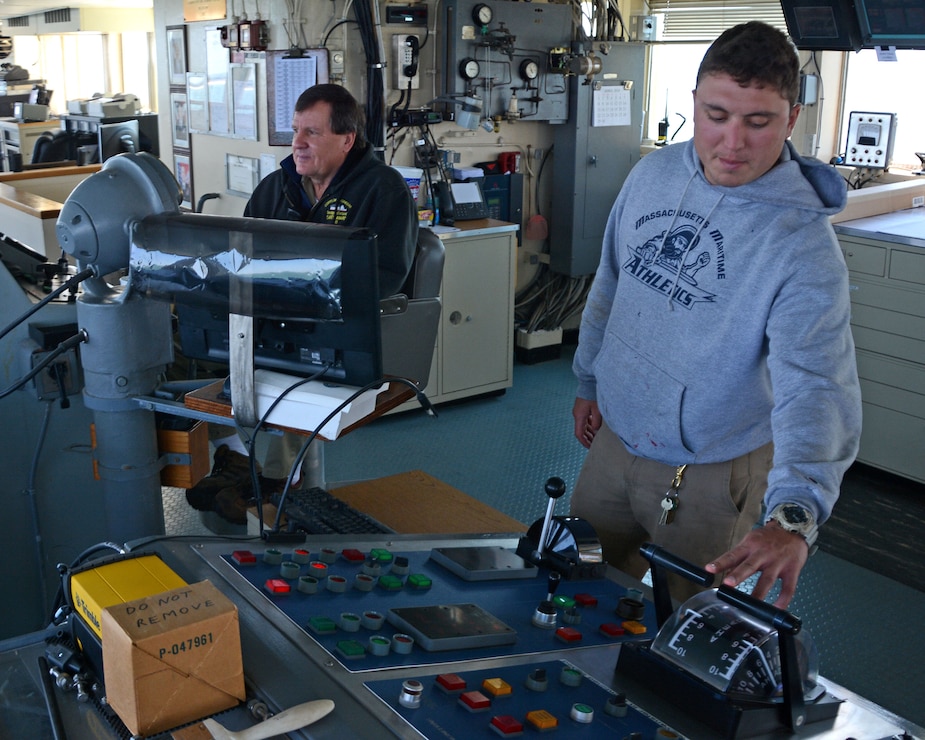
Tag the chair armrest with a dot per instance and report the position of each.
(395, 304)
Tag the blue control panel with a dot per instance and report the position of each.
(379, 609)
(549, 696)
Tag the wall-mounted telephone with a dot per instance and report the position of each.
(407, 49)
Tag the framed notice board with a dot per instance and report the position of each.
(289, 73)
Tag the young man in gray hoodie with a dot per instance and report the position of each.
(717, 382)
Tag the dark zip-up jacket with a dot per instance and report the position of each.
(365, 192)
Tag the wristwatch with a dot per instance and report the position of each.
(794, 518)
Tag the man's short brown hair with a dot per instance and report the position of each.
(346, 114)
(755, 52)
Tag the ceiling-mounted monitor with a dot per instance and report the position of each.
(899, 23)
(823, 25)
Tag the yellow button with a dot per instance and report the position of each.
(542, 720)
(634, 628)
(496, 687)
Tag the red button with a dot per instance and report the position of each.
(585, 600)
(353, 555)
(451, 682)
(244, 557)
(612, 630)
(568, 634)
(506, 725)
(277, 586)
(475, 701)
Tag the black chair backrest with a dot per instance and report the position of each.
(59, 146)
(427, 269)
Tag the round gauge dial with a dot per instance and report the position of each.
(482, 14)
(529, 70)
(469, 68)
(730, 650)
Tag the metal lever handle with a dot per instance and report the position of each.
(294, 718)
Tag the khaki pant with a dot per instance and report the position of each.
(620, 495)
(281, 454)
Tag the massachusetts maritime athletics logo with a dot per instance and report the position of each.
(669, 263)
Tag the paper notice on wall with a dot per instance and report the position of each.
(611, 106)
(293, 75)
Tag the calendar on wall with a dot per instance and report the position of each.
(612, 106)
(289, 73)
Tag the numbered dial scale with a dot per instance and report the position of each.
(731, 651)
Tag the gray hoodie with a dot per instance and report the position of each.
(718, 321)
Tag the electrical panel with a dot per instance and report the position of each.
(497, 63)
(405, 48)
(594, 152)
(870, 139)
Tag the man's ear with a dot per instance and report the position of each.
(794, 114)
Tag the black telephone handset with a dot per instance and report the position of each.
(445, 203)
(410, 70)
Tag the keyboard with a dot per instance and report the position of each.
(316, 511)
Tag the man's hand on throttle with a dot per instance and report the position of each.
(778, 554)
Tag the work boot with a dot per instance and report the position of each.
(271, 488)
(230, 469)
(232, 503)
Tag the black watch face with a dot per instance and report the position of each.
(795, 514)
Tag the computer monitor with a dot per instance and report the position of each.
(822, 25)
(899, 23)
(312, 288)
(118, 138)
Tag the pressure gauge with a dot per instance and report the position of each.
(469, 68)
(482, 14)
(529, 70)
(731, 651)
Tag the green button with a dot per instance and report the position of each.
(570, 677)
(380, 554)
(351, 649)
(419, 580)
(390, 583)
(322, 625)
(563, 602)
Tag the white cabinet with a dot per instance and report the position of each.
(474, 353)
(19, 139)
(888, 323)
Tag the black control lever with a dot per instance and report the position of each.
(785, 623)
(661, 561)
(555, 489)
(787, 626)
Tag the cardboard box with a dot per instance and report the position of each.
(172, 658)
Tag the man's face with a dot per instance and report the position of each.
(739, 131)
(318, 151)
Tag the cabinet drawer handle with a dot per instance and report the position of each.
(457, 318)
